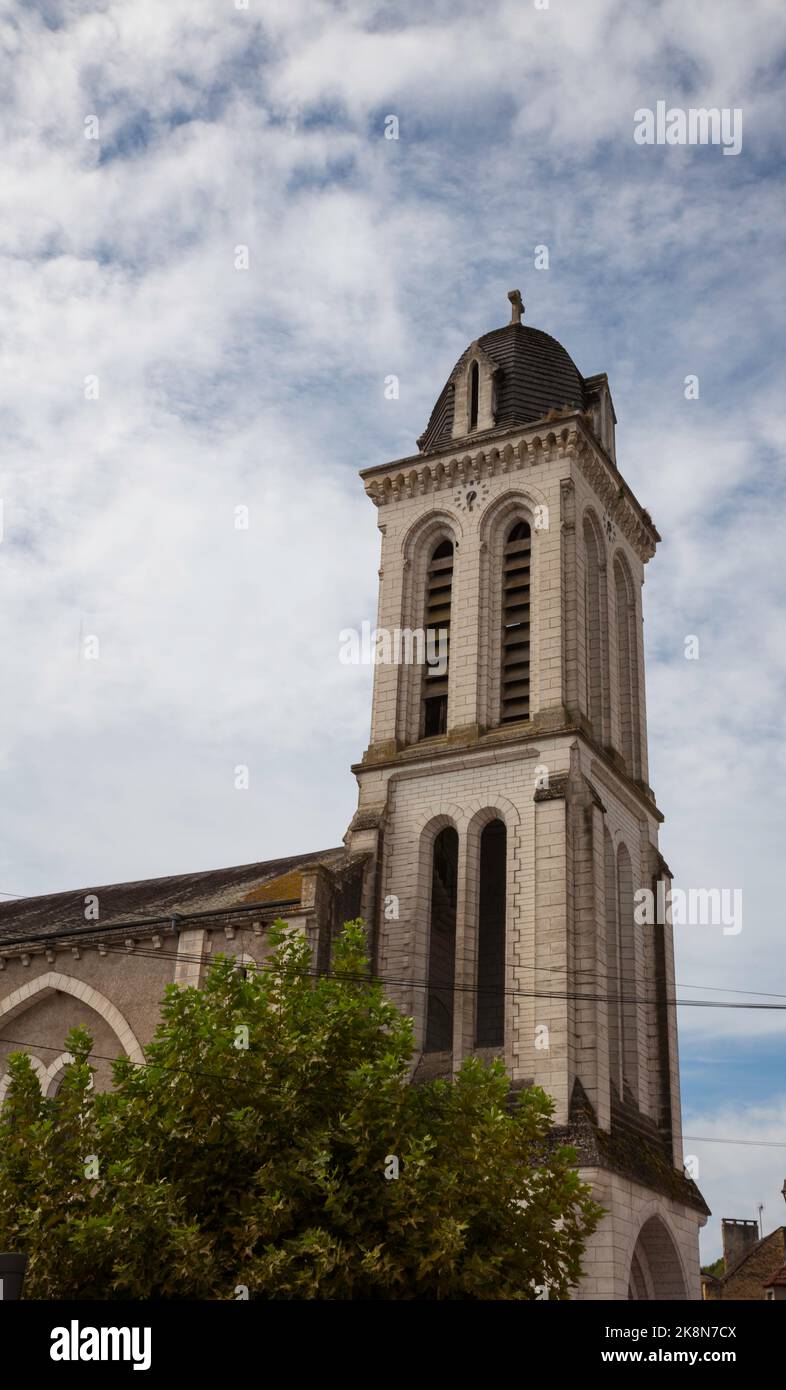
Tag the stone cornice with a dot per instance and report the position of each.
(564, 436)
(417, 760)
(414, 761)
(618, 783)
(557, 789)
(607, 482)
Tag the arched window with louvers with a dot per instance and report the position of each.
(439, 595)
(515, 668)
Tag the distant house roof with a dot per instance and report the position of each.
(778, 1280)
(751, 1252)
(273, 880)
(535, 375)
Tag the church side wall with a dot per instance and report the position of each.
(132, 983)
(115, 992)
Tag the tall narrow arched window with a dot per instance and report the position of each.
(442, 942)
(439, 590)
(474, 395)
(627, 956)
(490, 1014)
(613, 967)
(593, 608)
(627, 668)
(516, 623)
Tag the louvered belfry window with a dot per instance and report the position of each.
(439, 588)
(515, 623)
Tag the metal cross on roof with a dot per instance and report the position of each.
(518, 305)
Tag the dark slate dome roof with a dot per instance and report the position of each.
(536, 375)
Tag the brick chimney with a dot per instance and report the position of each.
(738, 1236)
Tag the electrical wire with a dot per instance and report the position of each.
(161, 953)
(63, 939)
(220, 1076)
(753, 1143)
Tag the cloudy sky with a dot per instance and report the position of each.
(150, 388)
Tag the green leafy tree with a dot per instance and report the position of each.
(273, 1142)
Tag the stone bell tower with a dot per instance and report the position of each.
(504, 793)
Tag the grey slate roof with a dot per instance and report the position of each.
(150, 897)
(536, 375)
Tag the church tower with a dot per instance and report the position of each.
(504, 794)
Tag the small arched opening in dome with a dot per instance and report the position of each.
(474, 394)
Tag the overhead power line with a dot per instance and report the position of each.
(263, 909)
(161, 953)
(754, 1143)
(220, 1076)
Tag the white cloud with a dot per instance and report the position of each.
(220, 387)
(735, 1178)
